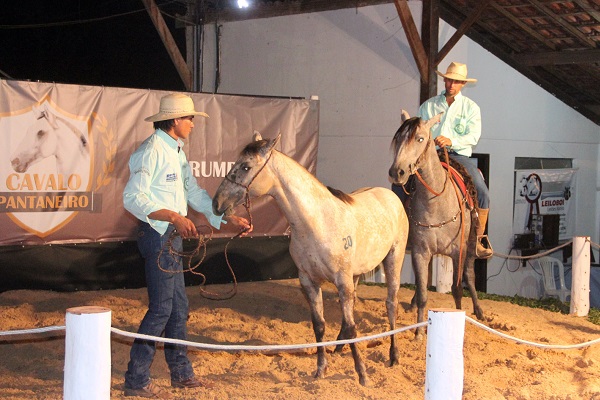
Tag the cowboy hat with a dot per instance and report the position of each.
(175, 105)
(457, 72)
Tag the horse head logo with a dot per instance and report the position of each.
(52, 136)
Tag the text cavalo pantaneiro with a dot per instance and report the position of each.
(44, 193)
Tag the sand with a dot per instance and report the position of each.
(275, 312)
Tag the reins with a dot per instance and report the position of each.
(461, 205)
(202, 241)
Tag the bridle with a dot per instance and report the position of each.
(247, 204)
(415, 167)
(201, 244)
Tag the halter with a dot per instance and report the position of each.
(420, 178)
(247, 204)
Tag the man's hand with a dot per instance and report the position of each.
(240, 222)
(185, 227)
(442, 141)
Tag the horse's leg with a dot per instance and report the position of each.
(420, 260)
(392, 265)
(457, 290)
(340, 336)
(314, 296)
(469, 277)
(346, 294)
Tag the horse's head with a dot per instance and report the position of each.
(409, 145)
(245, 176)
(38, 142)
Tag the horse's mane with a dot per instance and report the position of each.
(407, 129)
(345, 197)
(77, 132)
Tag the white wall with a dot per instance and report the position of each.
(359, 64)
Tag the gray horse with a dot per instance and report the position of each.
(335, 237)
(441, 221)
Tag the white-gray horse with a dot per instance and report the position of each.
(335, 237)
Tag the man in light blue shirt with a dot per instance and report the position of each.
(159, 190)
(459, 130)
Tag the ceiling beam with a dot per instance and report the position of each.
(430, 24)
(558, 57)
(583, 38)
(414, 41)
(165, 34)
(464, 27)
(502, 10)
(454, 18)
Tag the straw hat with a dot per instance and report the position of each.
(456, 71)
(175, 105)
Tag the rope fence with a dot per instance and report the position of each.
(293, 347)
(87, 347)
(88, 331)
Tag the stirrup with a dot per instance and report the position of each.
(484, 252)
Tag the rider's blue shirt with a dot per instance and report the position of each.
(460, 122)
(161, 178)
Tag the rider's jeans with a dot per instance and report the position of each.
(167, 310)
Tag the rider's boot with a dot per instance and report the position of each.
(482, 251)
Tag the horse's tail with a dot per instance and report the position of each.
(346, 198)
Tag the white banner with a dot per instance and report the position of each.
(545, 192)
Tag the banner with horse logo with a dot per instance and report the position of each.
(65, 151)
(545, 192)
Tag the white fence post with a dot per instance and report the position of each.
(580, 276)
(444, 373)
(87, 353)
(443, 267)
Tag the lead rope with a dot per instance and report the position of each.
(202, 240)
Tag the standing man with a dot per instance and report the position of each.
(460, 130)
(160, 187)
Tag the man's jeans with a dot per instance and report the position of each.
(483, 196)
(167, 310)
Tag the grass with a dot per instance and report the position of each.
(549, 304)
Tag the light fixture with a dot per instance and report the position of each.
(243, 3)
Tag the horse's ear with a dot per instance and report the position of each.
(256, 136)
(433, 120)
(405, 115)
(272, 144)
(276, 140)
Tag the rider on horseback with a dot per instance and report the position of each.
(459, 130)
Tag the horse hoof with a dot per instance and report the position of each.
(364, 381)
(479, 314)
(418, 337)
(338, 348)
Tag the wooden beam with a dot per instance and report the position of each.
(410, 29)
(558, 57)
(169, 42)
(567, 26)
(430, 38)
(522, 25)
(464, 27)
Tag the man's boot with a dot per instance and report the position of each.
(482, 251)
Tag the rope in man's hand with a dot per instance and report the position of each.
(185, 257)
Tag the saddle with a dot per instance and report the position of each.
(460, 182)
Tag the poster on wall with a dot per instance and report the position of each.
(541, 194)
(64, 152)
